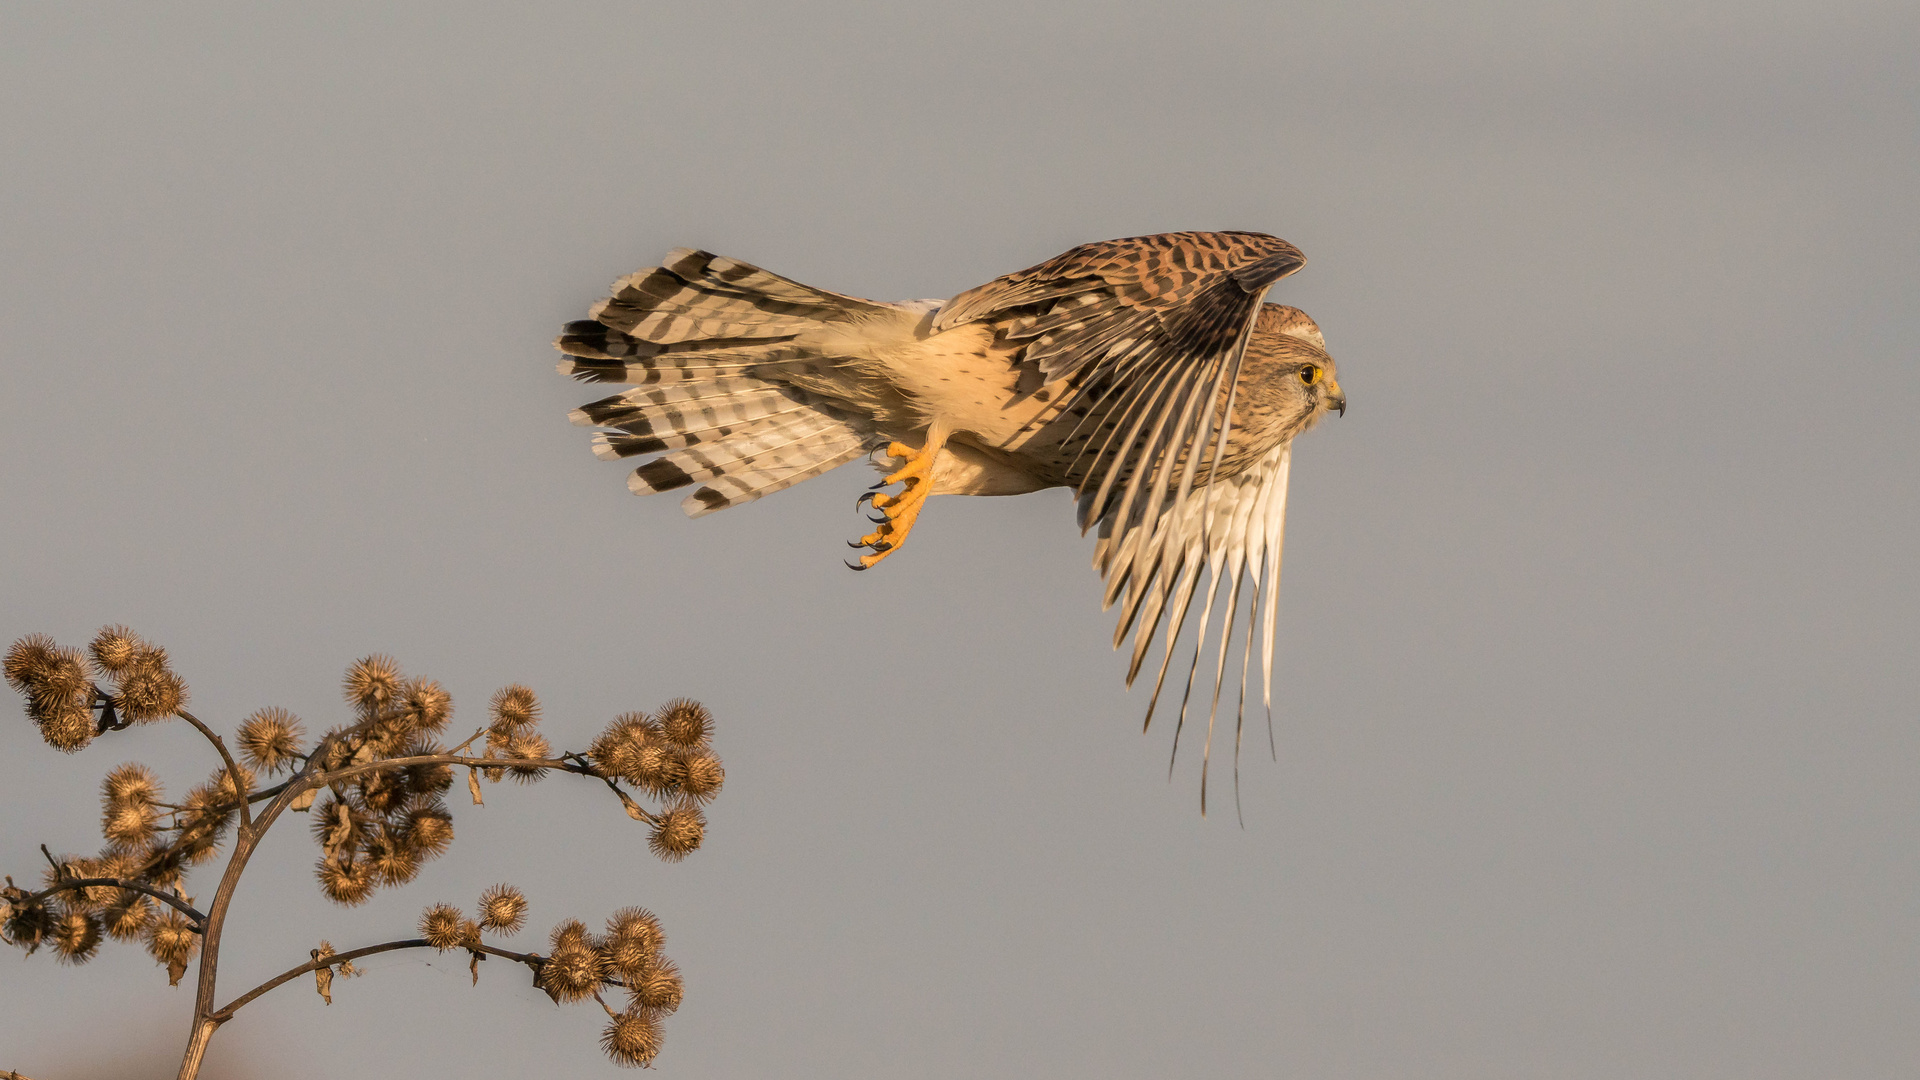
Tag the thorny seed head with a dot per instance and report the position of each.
(61, 679)
(149, 690)
(632, 1040)
(686, 722)
(28, 925)
(337, 828)
(91, 898)
(171, 940)
(129, 826)
(428, 705)
(441, 925)
(128, 920)
(427, 830)
(27, 661)
(503, 909)
(657, 768)
(76, 937)
(381, 790)
(67, 726)
(371, 682)
(394, 863)
(426, 780)
(703, 776)
(206, 814)
(347, 882)
(114, 649)
(132, 783)
(514, 707)
(658, 987)
(574, 969)
(614, 749)
(527, 746)
(270, 739)
(677, 833)
(633, 940)
(222, 783)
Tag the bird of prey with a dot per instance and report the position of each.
(1145, 373)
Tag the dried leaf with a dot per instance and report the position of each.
(473, 785)
(323, 975)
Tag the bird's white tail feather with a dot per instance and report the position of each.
(707, 342)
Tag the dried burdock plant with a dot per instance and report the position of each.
(374, 790)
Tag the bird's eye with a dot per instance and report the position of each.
(1309, 374)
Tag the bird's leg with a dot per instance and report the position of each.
(900, 510)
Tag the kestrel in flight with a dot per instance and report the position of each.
(1145, 373)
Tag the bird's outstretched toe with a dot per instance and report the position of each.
(899, 511)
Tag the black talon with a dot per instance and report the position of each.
(855, 566)
(880, 546)
(855, 544)
(878, 520)
(878, 486)
(862, 500)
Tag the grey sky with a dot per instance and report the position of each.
(1598, 752)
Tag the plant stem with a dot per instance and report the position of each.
(122, 883)
(233, 769)
(226, 1013)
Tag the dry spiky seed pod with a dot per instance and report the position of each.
(129, 825)
(633, 940)
(346, 882)
(657, 768)
(527, 746)
(270, 739)
(27, 660)
(503, 909)
(514, 707)
(92, 898)
(371, 682)
(702, 776)
(67, 726)
(615, 748)
(394, 863)
(427, 830)
(27, 925)
(677, 833)
(574, 969)
(60, 680)
(337, 828)
(76, 937)
(381, 791)
(425, 779)
(128, 919)
(171, 940)
(129, 784)
(658, 987)
(632, 1040)
(220, 784)
(443, 927)
(686, 722)
(149, 690)
(114, 649)
(428, 705)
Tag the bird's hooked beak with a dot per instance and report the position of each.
(1336, 398)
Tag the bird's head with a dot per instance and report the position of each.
(1289, 374)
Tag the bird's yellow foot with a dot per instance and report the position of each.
(916, 478)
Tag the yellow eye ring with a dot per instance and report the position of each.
(1310, 374)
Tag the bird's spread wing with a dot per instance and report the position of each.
(1235, 533)
(1150, 333)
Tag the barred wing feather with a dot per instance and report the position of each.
(1235, 533)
